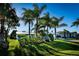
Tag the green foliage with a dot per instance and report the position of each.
(25, 40)
(13, 43)
(21, 35)
(57, 47)
(75, 23)
(51, 37)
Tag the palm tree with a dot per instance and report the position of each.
(46, 20)
(56, 22)
(75, 23)
(66, 33)
(37, 12)
(28, 17)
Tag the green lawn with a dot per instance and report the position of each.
(55, 48)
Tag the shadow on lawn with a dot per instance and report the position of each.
(54, 52)
(64, 45)
(57, 45)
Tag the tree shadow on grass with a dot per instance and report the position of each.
(53, 52)
(64, 45)
(33, 50)
(58, 45)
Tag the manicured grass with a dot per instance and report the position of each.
(61, 47)
(57, 47)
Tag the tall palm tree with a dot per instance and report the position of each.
(28, 17)
(56, 22)
(46, 20)
(37, 12)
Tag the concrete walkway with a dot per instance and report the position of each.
(75, 42)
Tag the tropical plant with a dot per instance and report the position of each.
(75, 23)
(56, 23)
(28, 17)
(66, 32)
(46, 21)
(37, 12)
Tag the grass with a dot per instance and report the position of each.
(61, 47)
(53, 48)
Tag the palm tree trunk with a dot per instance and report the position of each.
(47, 29)
(70, 35)
(55, 32)
(64, 35)
(36, 26)
(29, 29)
(2, 28)
(67, 35)
(6, 35)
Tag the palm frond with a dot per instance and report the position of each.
(76, 23)
(61, 18)
(43, 8)
(62, 25)
(35, 6)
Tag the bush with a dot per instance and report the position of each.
(13, 44)
(21, 35)
(36, 40)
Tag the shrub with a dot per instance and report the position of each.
(13, 44)
(21, 35)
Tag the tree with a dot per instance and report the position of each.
(56, 22)
(46, 21)
(75, 23)
(8, 18)
(12, 20)
(4, 16)
(37, 12)
(3, 13)
(28, 17)
(66, 33)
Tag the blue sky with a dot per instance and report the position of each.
(70, 11)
